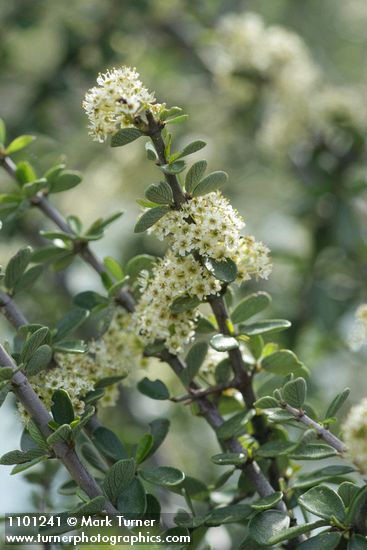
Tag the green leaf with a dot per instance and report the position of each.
(232, 513)
(155, 348)
(151, 152)
(108, 443)
(49, 254)
(265, 327)
(222, 342)
(150, 217)
(33, 342)
(167, 113)
(204, 326)
(174, 168)
(32, 188)
(194, 360)
(272, 449)
(224, 478)
(323, 502)
(132, 499)
(118, 477)
(40, 360)
(26, 465)
(268, 524)
(18, 144)
(92, 507)
(4, 392)
(62, 407)
(356, 542)
(294, 392)
(326, 541)
(153, 508)
(177, 119)
(193, 487)
(25, 172)
(6, 373)
(296, 531)
(72, 346)
(16, 267)
(347, 491)
(90, 300)
(160, 193)
(28, 279)
(143, 449)
(251, 305)
(329, 473)
(155, 389)
(53, 173)
(70, 322)
(145, 203)
(313, 451)
(163, 475)
(63, 434)
(159, 430)
(337, 403)
(267, 402)
(67, 179)
(136, 264)
(68, 488)
(357, 506)
(279, 415)
(210, 183)
(2, 132)
(224, 270)
(101, 223)
(281, 362)
(225, 459)
(194, 175)
(184, 303)
(235, 426)
(92, 457)
(20, 457)
(192, 147)
(223, 371)
(267, 502)
(114, 267)
(125, 136)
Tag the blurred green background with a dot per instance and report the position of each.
(308, 207)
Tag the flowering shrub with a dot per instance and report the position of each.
(178, 309)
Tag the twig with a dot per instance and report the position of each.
(324, 433)
(210, 412)
(39, 414)
(11, 311)
(195, 394)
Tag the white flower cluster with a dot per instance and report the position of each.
(355, 434)
(299, 107)
(272, 53)
(112, 355)
(215, 233)
(358, 334)
(117, 100)
(172, 277)
(206, 225)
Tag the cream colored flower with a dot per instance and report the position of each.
(358, 334)
(114, 354)
(214, 234)
(117, 100)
